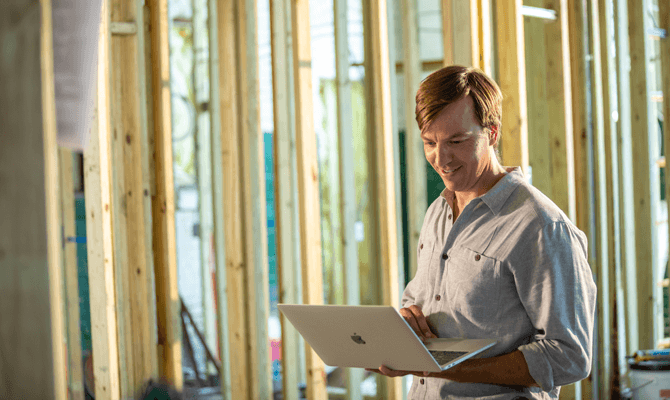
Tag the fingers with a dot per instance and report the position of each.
(383, 370)
(415, 318)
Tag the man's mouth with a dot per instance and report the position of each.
(448, 171)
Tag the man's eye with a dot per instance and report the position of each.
(428, 143)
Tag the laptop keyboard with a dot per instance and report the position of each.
(444, 357)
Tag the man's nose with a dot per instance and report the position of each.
(443, 155)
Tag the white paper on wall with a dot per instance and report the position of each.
(76, 30)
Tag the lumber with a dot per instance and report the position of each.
(447, 32)
(416, 160)
(288, 261)
(602, 268)
(99, 242)
(626, 200)
(164, 241)
(51, 194)
(645, 231)
(512, 81)
(254, 207)
(221, 284)
(664, 23)
(70, 277)
(235, 263)
(383, 170)
(308, 185)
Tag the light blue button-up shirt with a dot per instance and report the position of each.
(511, 267)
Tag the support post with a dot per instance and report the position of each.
(163, 203)
(512, 81)
(644, 192)
(308, 185)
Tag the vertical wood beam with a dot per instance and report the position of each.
(131, 202)
(70, 277)
(611, 280)
(99, 231)
(230, 141)
(163, 203)
(347, 175)
(308, 184)
(285, 199)
(537, 80)
(575, 16)
(52, 189)
(626, 199)
(512, 80)
(601, 245)
(645, 236)
(416, 164)
(447, 32)
(378, 74)
(252, 158)
(221, 284)
(485, 47)
(559, 105)
(201, 76)
(664, 23)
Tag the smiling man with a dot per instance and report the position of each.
(496, 258)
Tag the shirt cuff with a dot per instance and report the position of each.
(538, 365)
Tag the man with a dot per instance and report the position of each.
(496, 258)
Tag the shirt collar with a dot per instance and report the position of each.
(496, 197)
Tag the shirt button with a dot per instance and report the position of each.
(421, 381)
(437, 297)
(421, 247)
(445, 256)
(449, 216)
(478, 257)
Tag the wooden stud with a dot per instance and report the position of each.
(347, 175)
(559, 107)
(512, 81)
(580, 140)
(308, 185)
(163, 203)
(447, 32)
(416, 160)
(131, 202)
(537, 80)
(99, 231)
(626, 199)
(221, 292)
(54, 250)
(611, 372)
(485, 46)
(203, 134)
(230, 141)
(383, 166)
(601, 245)
(70, 277)
(664, 23)
(285, 198)
(252, 157)
(645, 230)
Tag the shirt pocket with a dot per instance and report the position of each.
(473, 288)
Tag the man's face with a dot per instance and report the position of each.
(457, 147)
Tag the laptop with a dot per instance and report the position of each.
(371, 336)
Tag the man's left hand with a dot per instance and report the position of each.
(384, 370)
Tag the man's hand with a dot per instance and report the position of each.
(415, 318)
(384, 370)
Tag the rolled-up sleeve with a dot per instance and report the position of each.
(556, 287)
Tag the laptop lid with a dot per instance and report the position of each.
(369, 336)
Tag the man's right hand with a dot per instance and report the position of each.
(415, 318)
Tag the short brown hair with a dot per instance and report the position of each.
(450, 84)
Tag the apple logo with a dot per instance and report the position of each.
(356, 338)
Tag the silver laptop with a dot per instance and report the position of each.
(371, 336)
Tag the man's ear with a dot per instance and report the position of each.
(494, 135)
